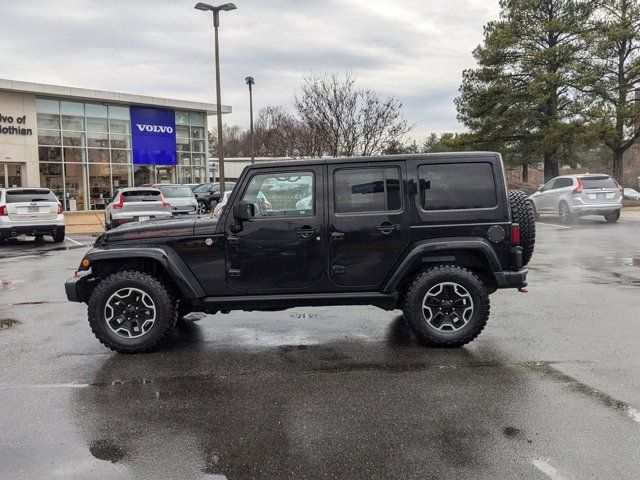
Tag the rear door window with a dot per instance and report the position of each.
(562, 183)
(367, 190)
(598, 182)
(31, 195)
(457, 186)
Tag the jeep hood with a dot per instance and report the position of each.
(151, 229)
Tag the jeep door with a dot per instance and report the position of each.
(281, 248)
(368, 222)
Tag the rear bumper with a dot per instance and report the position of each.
(511, 279)
(15, 230)
(595, 209)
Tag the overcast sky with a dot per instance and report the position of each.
(412, 49)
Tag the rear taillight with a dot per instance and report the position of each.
(3, 211)
(515, 234)
(119, 203)
(60, 209)
(578, 189)
(165, 203)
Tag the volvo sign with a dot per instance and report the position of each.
(153, 136)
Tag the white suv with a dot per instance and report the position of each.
(571, 196)
(30, 211)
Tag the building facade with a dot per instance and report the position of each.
(85, 144)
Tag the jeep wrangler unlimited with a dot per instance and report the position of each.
(432, 235)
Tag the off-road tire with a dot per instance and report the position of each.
(612, 217)
(416, 320)
(523, 213)
(166, 311)
(58, 237)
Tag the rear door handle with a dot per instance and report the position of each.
(387, 228)
(307, 231)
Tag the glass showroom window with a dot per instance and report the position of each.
(75, 187)
(191, 137)
(51, 177)
(99, 186)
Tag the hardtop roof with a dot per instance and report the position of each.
(444, 157)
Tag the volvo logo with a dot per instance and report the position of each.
(154, 128)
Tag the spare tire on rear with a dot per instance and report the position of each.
(522, 213)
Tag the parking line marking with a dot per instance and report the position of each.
(548, 469)
(74, 241)
(552, 225)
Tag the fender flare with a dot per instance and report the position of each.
(417, 250)
(166, 257)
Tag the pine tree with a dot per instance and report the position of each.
(519, 100)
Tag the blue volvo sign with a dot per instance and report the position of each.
(153, 136)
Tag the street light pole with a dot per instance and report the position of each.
(216, 24)
(250, 81)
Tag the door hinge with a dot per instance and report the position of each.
(338, 269)
(234, 272)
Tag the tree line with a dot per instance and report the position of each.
(555, 82)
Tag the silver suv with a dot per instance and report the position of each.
(572, 196)
(30, 211)
(136, 204)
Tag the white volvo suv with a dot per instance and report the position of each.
(30, 211)
(572, 196)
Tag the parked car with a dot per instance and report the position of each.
(31, 211)
(208, 195)
(631, 194)
(136, 204)
(180, 197)
(572, 196)
(396, 232)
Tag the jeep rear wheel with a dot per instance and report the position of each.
(523, 213)
(131, 312)
(446, 306)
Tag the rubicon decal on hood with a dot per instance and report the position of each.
(172, 232)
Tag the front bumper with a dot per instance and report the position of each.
(77, 287)
(15, 230)
(511, 279)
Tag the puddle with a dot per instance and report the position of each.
(106, 450)
(7, 323)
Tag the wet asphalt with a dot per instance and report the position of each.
(551, 388)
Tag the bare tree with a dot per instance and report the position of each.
(345, 120)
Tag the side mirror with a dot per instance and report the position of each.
(243, 211)
(540, 188)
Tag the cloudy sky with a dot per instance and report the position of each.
(412, 49)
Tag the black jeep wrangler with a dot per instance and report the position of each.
(432, 235)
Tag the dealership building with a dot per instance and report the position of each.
(85, 144)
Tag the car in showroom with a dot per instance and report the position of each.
(208, 195)
(136, 204)
(31, 211)
(180, 197)
(572, 196)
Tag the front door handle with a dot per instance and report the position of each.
(307, 232)
(387, 228)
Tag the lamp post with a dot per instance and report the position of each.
(216, 23)
(250, 81)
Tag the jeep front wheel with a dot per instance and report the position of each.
(446, 306)
(131, 312)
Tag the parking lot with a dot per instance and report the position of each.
(550, 389)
